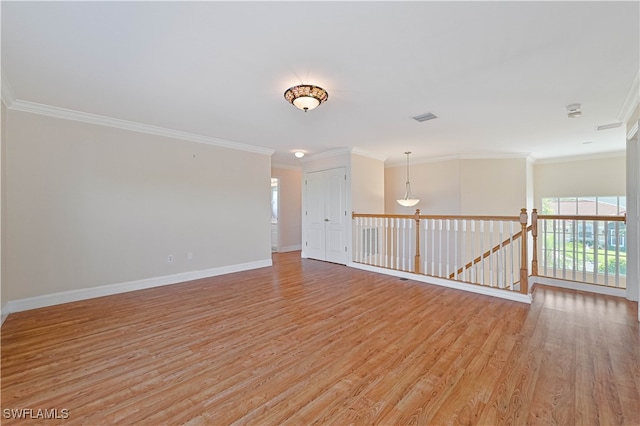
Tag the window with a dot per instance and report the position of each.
(585, 206)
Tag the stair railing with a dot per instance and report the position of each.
(587, 249)
(438, 246)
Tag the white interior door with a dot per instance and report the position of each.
(315, 224)
(326, 215)
(336, 214)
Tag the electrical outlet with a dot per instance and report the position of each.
(189, 256)
(170, 258)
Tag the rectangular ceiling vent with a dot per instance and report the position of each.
(424, 117)
(609, 126)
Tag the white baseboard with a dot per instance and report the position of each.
(487, 291)
(107, 290)
(289, 248)
(580, 286)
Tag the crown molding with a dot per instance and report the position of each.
(341, 151)
(599, 156)
(325, 154)
(527, 157)
(100, 120)
(502, 156)
(427, 160)
(631, 101)
(633, 131)
(8, 95)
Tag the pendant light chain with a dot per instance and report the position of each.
(408, 165)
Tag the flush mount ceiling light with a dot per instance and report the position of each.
(306, 96)
(574, 111)
(408, 200)
(299, 154)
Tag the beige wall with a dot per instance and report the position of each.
(530, 185)
(289, 215)
(367, 184)
(461, 186)
(587, 177)
(493, 186)
(436, 184)
(3, 204)
(500, 186)
(88, 205)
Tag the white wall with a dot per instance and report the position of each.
(580, 177)
(289, 214)
(89, 206)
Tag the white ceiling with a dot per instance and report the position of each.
(498, 75)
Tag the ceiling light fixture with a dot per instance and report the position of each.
(306, 96)
(574, 111)
(408, 200)
(299, 154)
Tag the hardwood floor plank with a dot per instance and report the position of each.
(308, 342)
(555, 404)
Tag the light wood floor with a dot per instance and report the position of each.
(307, 342)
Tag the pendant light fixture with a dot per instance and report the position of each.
(408, 200)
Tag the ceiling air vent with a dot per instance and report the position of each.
(609, 126)
(424, 117)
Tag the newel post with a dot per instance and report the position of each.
(534, 234)
(524, 272)
(416, 266)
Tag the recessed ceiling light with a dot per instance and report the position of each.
(299, 154)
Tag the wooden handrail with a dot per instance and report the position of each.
(622, 218)
(382, 216)
(487, 253)
(421, 217)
